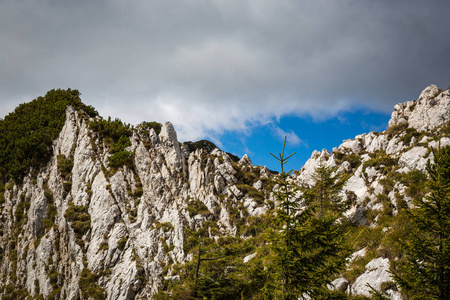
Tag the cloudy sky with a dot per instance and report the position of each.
(240, 73)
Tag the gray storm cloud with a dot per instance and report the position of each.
(208, 66)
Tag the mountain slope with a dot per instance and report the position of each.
(114, 208)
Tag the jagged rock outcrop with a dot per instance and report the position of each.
(134, 217)
(373, 159)
(119, 230)
(429, 112)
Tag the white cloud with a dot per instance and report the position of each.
(210, 66)
(291, 137)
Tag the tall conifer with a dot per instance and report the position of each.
(307, 249)
(425, 274)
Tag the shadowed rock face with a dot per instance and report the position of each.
(124, 226)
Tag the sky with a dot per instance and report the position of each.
(240, 73)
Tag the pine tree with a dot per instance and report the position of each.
(425, 273)
(307, 250)
(326, 192)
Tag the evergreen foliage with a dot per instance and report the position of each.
(89, 287)
(79, 219)
(326, 193)
(27, 133)
(152, 125)
(307, 247)
(65, 166)
(116, 135)
(380, 160)
(425, 273)
(217, 270)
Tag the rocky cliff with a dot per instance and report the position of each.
(81, 226)
(385, 169)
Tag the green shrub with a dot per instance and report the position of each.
(79, 219)
(155, 125)
(388, 285)
(245, 174)
(138, 192)
(352, 158)
(445, 130)
(65, 166)
(112, 130)
(2, 193)
(415, 182)
(251, 192)
(12, 292)
(121, 158)
(89, 287)
(49, 221)
(67, 186)
(21, 211)
(166, 226)
(104, 245)
(378, 159)
(409, 134)
(196, 207)
(116, 135)
(202, 144)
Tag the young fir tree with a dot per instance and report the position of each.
(326, 192)
(425, 274)
(307, 250)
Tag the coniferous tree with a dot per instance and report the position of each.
(425, 274)
(307, 249)
(326, 192)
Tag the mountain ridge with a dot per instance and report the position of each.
(81, 225)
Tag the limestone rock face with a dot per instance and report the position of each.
(377, 272)
(429, 112)
(134, 217)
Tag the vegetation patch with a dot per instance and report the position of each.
(116, 135)
(166, 226)
(12, 292)
(89, 287)
(65, 166)
(79, 220)
(28, 132)
(196, 207)
(121, 243)
(251, 192)
(50, 217)
(246, 174)
(411, 133)
(396, 129)
(415, 182)
(352, 158)
(152, 125)
(380, 161)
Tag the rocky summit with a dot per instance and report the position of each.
(107, 217)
